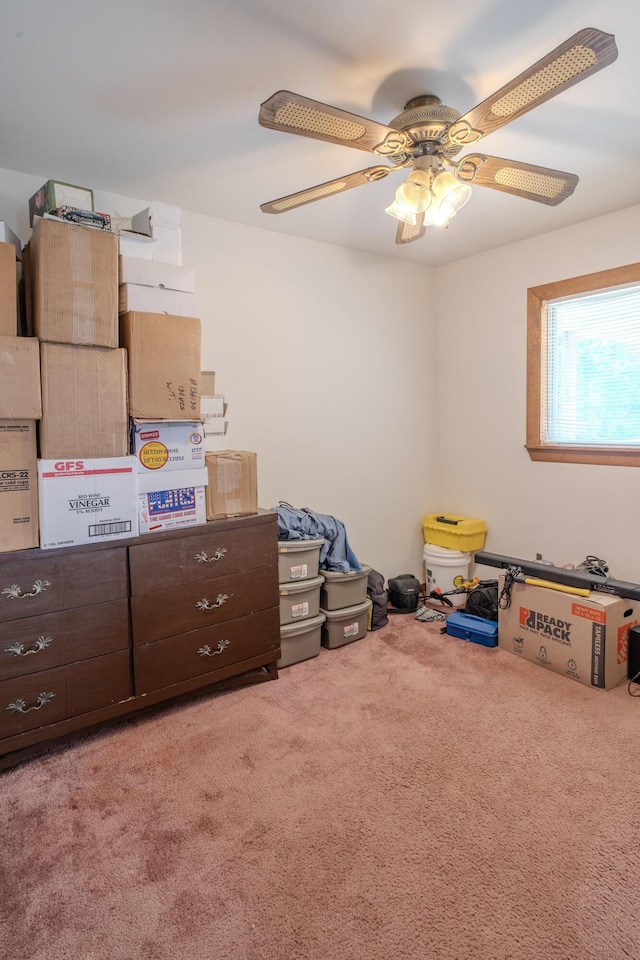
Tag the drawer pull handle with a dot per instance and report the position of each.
(204, 604)
(18, 650)
(15, 593)
(205, 558)
(20, 706)
(206, 651)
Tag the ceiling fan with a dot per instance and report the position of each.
(427, 136)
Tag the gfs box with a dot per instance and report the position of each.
(87, 501)
(584, 638)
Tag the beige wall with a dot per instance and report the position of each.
(327, 360)
(563, 511)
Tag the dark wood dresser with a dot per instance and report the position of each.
(90, 634)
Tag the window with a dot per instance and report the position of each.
(583, 369)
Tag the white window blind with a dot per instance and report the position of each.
(592, 390)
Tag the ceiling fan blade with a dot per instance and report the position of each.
(406, 232)
(293, 113)
(543, 184)
(328, 189)
(577, 58)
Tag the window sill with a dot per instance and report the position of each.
(609, 456)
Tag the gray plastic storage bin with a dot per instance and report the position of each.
(298, 559)
(343, 589)
(300, 641)
(346, 625)
(299, 601)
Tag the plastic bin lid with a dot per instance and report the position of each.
(352, 575)
(291, 546)
(298, 586)
(302, 626)
(345, 613)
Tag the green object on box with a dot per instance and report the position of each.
(54, 194)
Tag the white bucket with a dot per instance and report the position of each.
(441, 567)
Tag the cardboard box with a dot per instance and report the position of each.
(208, 383)
(136, 298)
(20, 394)
(584, 638)
(171, 500)
(135, 245)
(54, 194)
(75, 284)
(18, 485)
(8, 236)
(164, 365)
(232, 490)
(167, 445)
(87, 500)
(84, 402)
(89, 218)
(8, 291)
(150, 273)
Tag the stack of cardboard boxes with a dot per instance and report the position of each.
(120, 443)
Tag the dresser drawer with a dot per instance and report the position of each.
(201, 652)
(203, 556)
(51, 695)
(180, 609)
(35, 583)
(39, 643)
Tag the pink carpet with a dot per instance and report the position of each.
(407, 797)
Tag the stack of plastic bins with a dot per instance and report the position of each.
(345, 605)
(300, 617)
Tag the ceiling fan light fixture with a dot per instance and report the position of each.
(401, 212)
(450, 194)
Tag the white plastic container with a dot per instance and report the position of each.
(298, 559)
(300, 640)
(345, 625)
(441, 567)
(299, 601)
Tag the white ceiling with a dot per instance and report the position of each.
(159, 99)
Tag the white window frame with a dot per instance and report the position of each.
(537, 447)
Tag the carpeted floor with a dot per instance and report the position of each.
(407, 797)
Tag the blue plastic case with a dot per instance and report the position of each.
(475, 629)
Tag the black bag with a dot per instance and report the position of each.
(379, 598)
(404, 592)
(483, 600)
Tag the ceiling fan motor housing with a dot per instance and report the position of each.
(426, 120)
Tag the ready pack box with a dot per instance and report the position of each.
(84, 402)
(75, 284)
(583, 638)
(20, 393)
(164, 365)
(18, 485)
(167, 445)
(232, 490)
(87, 500)
(8, 290)
(171, 500)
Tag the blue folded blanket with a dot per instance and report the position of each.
(305, 524)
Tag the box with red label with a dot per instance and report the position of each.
(165, 445)
(584, 638)
(170, 500)
(87, 501)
